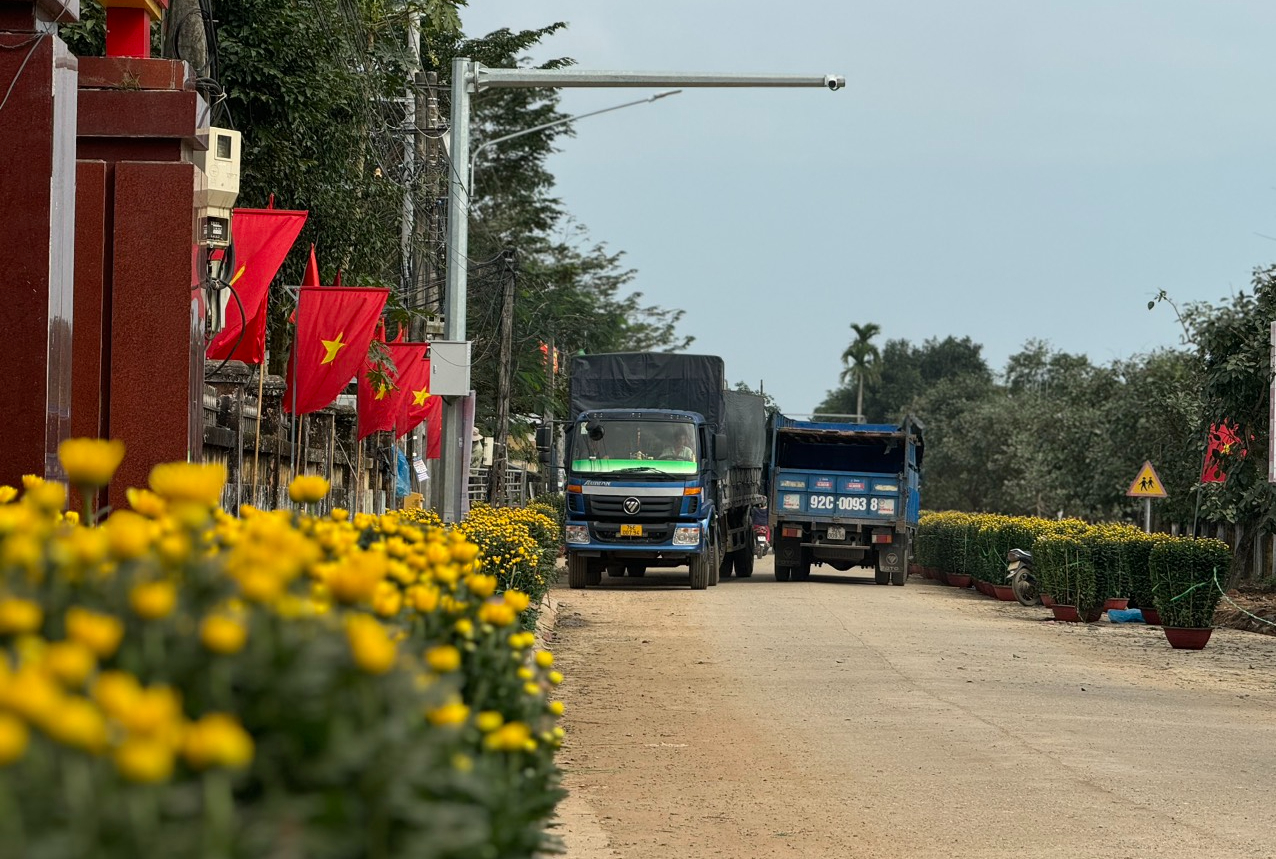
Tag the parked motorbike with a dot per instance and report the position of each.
(1020, 577)
(761, 540)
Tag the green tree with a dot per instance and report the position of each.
(861, 358)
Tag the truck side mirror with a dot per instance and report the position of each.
(544, 437)
(720, 446)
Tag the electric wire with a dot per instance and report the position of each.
(34, 42)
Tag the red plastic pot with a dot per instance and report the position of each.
(1005, 593)
(1116, 604)
(1187, 638)
(1151, 617)
(958, 581)
(1070, 614)
(1047, 600)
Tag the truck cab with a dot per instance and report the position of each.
(638, 494)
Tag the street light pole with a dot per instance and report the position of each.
(469, 77)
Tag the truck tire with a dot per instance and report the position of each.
(743, 562)
(636, 569)
(802, 571)
(881, 577)
(899, 576)
(782, 574)
(715, 565)
(577, 571)
(616, 571)
(724, 564)
(700, 571)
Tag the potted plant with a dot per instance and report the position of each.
(1112, 578)
(1066, 572)
(1187, 581)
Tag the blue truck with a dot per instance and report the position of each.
(843, 494)
(664, 468)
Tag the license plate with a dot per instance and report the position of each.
(836, 533)
(631, 530)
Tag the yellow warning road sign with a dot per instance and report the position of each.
(1147, 484)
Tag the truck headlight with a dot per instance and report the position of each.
(577, 534)
(686, 535)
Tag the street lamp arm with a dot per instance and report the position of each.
(563, 121)
(489, 78)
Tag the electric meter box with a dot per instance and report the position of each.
(450, 368)
(220, 165)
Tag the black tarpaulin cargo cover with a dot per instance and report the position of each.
(648, 380)
(745, 429)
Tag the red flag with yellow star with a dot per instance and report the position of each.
(380, 408)
(262, 239)
(334, 328)
(420, 405)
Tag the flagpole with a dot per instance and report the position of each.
(261, 390)
(296, 380)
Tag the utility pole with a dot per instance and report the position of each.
(469, 77)
(551, 376)
(504, 374)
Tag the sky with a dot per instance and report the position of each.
(998, 169)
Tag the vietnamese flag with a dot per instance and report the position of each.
(1224, 441)
(380, 409)
(262, 239)
(420, 405)
(334, 329)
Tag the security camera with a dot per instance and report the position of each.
(834, 82)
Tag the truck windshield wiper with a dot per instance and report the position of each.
(638, 468)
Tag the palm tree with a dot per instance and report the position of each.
(861, 359)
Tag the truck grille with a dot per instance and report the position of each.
(652, 509)
(609, 532)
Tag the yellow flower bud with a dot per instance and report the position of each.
(153, 600)
(308, 489)
(90, 463)
(19, 616)
(144, 759)
(14, 738)
(222, 634)
(443, 658)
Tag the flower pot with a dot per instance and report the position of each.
(1187, 638)
(1005, 593)
(1117, 603)
(1070, 614)
(958, 581)
(1047, 600)
(984, 587)
(1151, 617)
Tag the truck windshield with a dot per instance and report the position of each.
(634, 447)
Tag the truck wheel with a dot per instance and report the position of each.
(700, 571)
(802, 571)
(782, 574)
(715, 565)
(594, 576)
(900, 576)
(724, 564)
(577, 571)
(881, 576)
(744, 562)
(616, 571)
(635, 570)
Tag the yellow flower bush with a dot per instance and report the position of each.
(175, 680)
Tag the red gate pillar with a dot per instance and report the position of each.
(37, 224)
(138, 124)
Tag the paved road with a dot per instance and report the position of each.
(836, 718)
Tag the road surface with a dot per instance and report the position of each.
(836, 718)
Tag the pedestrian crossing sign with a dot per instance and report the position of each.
(1148, 484)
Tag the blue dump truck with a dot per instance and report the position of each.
(664, 468)
(845, 495)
